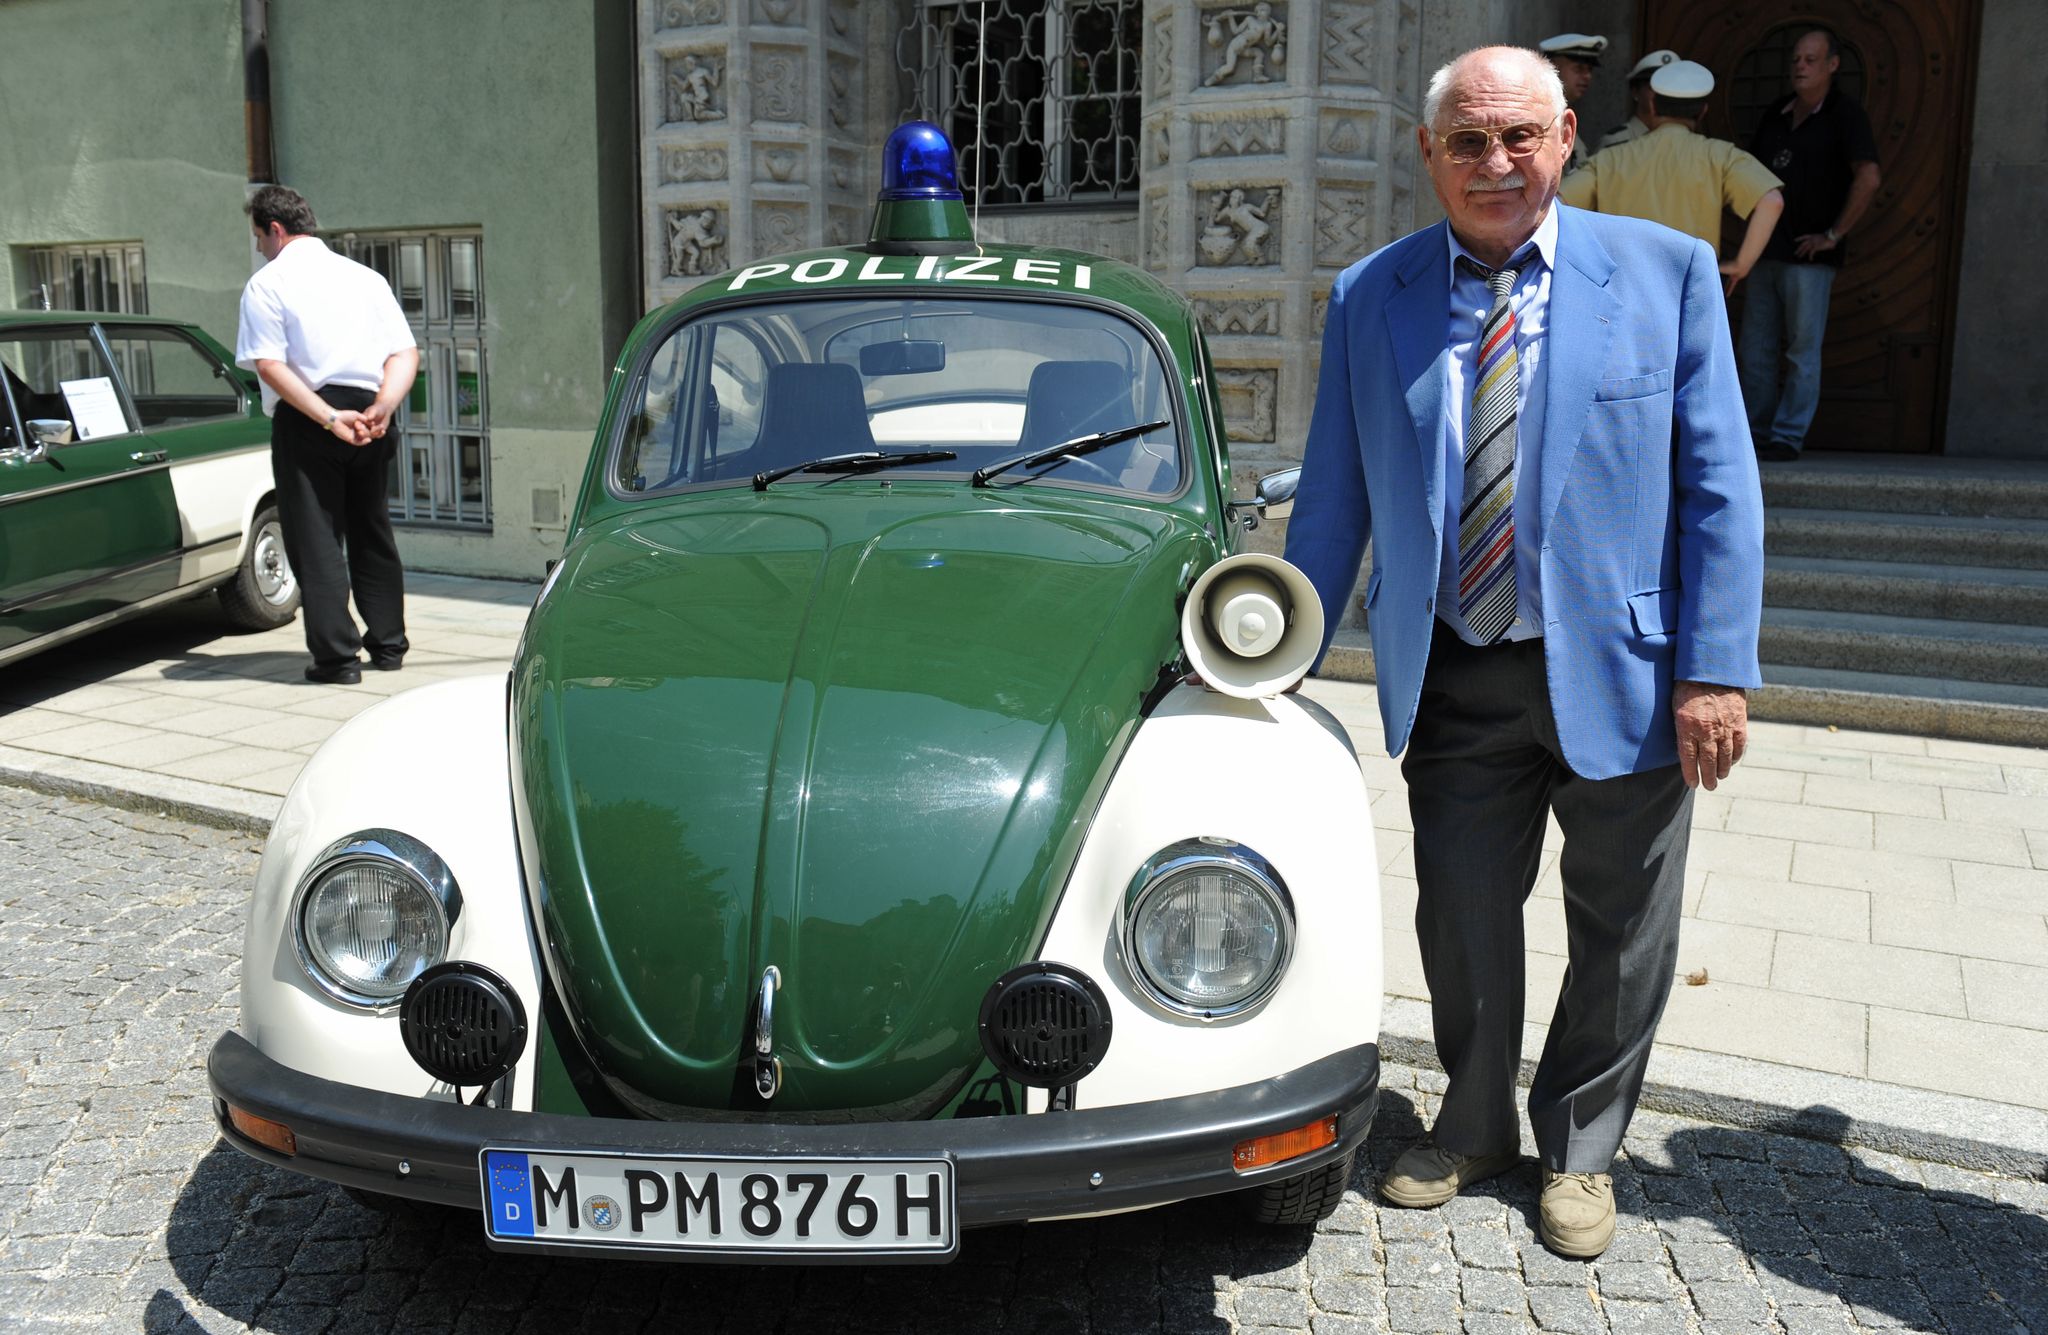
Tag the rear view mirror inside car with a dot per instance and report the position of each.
(907, 356)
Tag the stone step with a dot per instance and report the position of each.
(1972, 711)
(1967, 488)
(1907, 646)
(2014, 543)
(1954, 592)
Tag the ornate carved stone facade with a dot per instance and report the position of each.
(1275, 147)
(759, 134)
(1267, 174)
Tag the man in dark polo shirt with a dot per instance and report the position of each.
(1818, 142)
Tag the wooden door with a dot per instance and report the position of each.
(1912, 63)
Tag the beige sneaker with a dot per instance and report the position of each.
(1577, 1213)
(1425, 1175)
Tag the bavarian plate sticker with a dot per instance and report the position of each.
(789, 1207)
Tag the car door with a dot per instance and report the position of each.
(198, 415)
(87, 521)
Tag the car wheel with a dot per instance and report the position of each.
(264, 592)
(1307, 1199)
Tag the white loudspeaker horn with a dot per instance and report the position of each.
(1252, 625)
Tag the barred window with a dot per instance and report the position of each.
(441, 474)
(97, 277)
(1056, 107)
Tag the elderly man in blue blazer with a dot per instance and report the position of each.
(1531, 414)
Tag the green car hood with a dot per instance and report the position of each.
(853, 733)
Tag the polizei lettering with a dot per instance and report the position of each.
(930, 269)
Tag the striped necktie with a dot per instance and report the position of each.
(1486, 521)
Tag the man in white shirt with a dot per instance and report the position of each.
(336, 358)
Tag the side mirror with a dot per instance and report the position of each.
(48, 431)
(1275, 496)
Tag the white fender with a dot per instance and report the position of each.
(432, 763)
(1277, 776)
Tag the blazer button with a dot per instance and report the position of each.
(1429, 604)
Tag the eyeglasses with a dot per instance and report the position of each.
(1472, 143)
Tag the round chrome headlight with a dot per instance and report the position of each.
(1208, 928)
(373, 913)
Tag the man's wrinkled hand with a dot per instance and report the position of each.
(1713, 730)
(378, 419)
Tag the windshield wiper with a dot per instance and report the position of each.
(866, 461)
(1067, 449)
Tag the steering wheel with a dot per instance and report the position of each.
(1086, 465)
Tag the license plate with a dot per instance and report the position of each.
(797, 1207)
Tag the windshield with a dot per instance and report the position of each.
(758, 388)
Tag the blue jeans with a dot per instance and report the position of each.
(1787, 314)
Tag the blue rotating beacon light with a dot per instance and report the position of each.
(920, 210)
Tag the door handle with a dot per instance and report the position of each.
(149, 456)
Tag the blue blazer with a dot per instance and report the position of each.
(1652, 558)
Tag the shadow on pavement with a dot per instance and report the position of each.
(285, 1254)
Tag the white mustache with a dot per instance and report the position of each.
(1512, 181)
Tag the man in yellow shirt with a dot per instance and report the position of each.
(1678, 177)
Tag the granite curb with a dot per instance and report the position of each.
(209, 804)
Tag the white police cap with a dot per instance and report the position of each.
(1683, 79)
(1651, 63)
(1574, 46)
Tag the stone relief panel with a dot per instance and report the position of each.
(680, 165)
(1349, 48)
(1350, 134)
(780, 80)
(842, 92)
(690, 13)
(1244, 44)
(1159, 142)
(1250, 397)
(1158, 231)
(1319, 314)
(695, 240)
(1405, 54)
(1401, 179)
(842, 168)
(843, 225)
(693, 88)
(1238, 226)
(1344, 224)
(779, 227)
(1159, 47)
(1239, 136)
(1237, 313)
(779, 13)
(781, 164)
(843, 17)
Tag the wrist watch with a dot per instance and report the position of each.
(1832, 237)
(332, 418)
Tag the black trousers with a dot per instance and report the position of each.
(332, 502)
(1484, 769)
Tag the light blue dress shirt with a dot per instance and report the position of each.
(1470, 300)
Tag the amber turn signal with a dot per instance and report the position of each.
(270, 1135)
(1285, 1145)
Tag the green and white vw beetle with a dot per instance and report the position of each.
(848, 860)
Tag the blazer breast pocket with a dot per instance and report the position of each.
(1632, 386)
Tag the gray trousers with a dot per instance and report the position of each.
(1484, 767)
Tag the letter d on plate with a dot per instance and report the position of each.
(511, 1188)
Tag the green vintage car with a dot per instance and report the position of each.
(848, 859)
(134, 471)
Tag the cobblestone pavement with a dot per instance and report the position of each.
(123, 1212)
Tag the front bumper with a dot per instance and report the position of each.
(1006, 1168)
